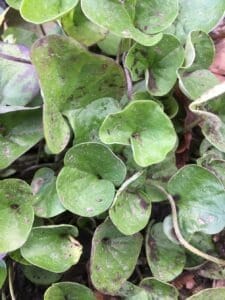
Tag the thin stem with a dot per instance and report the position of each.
(128, 182)
(10, 278)
(180, 237)
(16, 59)
(128, 79)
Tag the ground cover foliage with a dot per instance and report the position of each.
(112, 142)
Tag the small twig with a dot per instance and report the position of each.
(180, 237)
(128, 182)
(43, 30)
(10, 279)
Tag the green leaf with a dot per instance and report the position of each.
(158, 290)
(144, 125)
(159, 62)
(201, 200)
(19, 131)
(212, 271)
(17, 35)
(3, 273)
(39, 276)
(18, 79)
(47, 203)
(52, 248)
(86, 121)
(155, 15)
(195, 78)
(68, 291)
(45, 11)
(197, 15)
(14, 3)
(129, 291)
(117, 17)
(86, 184)
(113, 257)
(165, 259)
(76, 25)
(113, 44)
(131, 211)
(208, 294)
(16, 214)
(89, 78)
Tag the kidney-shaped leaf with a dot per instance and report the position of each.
(117, 16)
(155, 15)
(19, 131)
(201, 200)
(209, 294)
(68, 291)
(16, 214)
(158, 290)
(166, 259)
(44, 11)
(160, 61)
(18, 78)
(52, 248)
(145, 126)
(113, 257)
(88, 78)
(86, 184)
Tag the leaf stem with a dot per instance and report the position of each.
(10, 278)
(180, 237)
(128, 182)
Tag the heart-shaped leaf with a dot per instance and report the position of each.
(155, 16)
(192, 16)
(207, 294)
(86, 184)
(166, 259)
(131, 211)
(16, 214)
(47, 204)
(160, 61)
(86, 121)
(201, 200)
(118, 17)
(89, 77)
(40, 276)
(19, 82)
(52, 248)
(44, 11)
(113, 257)
(19, 131)
(145, 126)
(78, 26)
(159, 290)
(3, 273)
(68, 291)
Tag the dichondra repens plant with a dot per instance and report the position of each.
(112, 142)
